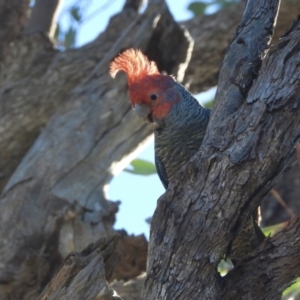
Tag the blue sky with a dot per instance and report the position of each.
(97, 14)
(138, 194)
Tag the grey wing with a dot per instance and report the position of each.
(161, 171)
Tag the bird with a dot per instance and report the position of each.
(178, 120)
(179, 123)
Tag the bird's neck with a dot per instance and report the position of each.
(181, 133)
(186, 113)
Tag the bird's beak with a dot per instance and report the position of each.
(142, 110)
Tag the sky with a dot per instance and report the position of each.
(138, 194)
(97, 14)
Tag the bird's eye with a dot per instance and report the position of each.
(153, 97)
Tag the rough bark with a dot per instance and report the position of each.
(19, 101)
(212, 35)
(54, 203)
(250, 140)
(288, 188)
(83, 275)
(13, 17)
(43, 17)
(67, 70)
(276, 266)
(24, 108)
(133, 253)
(130, 290)
(76, 125)
(273, 260)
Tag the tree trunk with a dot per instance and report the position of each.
(54, 202)
(79, 279)
(250, 139)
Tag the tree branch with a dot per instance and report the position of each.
(244, 56)
(133, 251)
(64, 173)
(19, 101)
(272, 267)
(288, 188)
(212, 35)
(133, 4)
(130, 290)
(13, 17)
(89, 118)
(83, 275)
(43, 17)
(241, 157)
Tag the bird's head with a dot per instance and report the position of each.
(152, 95)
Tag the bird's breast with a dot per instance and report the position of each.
(176, 148)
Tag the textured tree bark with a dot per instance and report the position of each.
(13, 17)
(79, 278)
(19, 101)
(43, 17)
(250, 140)
(130, 290)
(211, 43)
(288, 188)
(54, 203)
(133, 251)
(276, 265)
(212, 35)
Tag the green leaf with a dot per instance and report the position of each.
(293, 291)
(70, 35)
(57, 31)
(141, 167)
(198, 8)
(209, 104)
(271, 230)
(225, 3)
(224, 266)
(75, 13)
